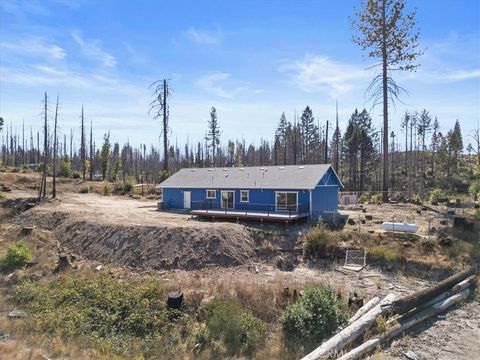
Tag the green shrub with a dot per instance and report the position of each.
(164, 175)
(18, 255)
(66, 168)
(84, 190)
(376, 198)
(362, 199)
(313, 317)
(114, 317)
(128, 187)
(474, 189)
(320, 241)
(435, 195)
(107, 190)
(238, 329)
(2, 195)
(382, 253)
(76, 175)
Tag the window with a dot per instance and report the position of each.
(211, 194)
(243, 195)
(286, 201)
(160, 195)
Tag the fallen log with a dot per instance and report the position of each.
(336, 343)
(400, 328)
(364, 309)
(407, 303)
(463, 284)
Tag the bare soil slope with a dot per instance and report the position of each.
(133, 233)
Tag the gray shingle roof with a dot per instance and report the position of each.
(253, 177)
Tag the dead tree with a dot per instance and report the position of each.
(54, 185)
(159, 106)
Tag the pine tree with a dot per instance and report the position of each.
(213, 133)
(105, 155)
(390, 35)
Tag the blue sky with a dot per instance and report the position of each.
(252, 60)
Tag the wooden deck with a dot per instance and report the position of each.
(250, 215)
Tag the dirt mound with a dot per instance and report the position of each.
(157, 247)
(45, 220)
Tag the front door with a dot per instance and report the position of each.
(187, 197)
(227, 199)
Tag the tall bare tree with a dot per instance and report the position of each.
(159, 106)
(55, 143)
(389, 34)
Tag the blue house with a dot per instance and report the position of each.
(267, 192)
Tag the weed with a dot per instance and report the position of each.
(18, 255)
(427, 245)
(320, 241)
(84, 190)
(115, 318)
(76, 175)
(382, 253)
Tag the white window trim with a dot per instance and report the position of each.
(285, 192)
(209, 197)
(248, 196)
(160, 193)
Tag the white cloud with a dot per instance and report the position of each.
(93, 49)
(204, 37)
(37, 46)
(217, 83)
(318, 72)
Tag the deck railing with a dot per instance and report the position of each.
(249, 208)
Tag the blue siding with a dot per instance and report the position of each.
(260, 200)
(324, 198)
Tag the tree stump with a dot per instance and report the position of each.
(175, 299)
(26, 230)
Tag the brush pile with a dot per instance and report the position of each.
(399, 315)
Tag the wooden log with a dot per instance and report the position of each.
(437, 308)
(405, 304)
(361, 350)
(364, 309)
(336, 343)
(463, 284)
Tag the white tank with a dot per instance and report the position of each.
(403, 226)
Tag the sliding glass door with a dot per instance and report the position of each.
(228, 199)
(286, 201)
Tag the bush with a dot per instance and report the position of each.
(84, 190)
(114, 317)
(320, 241)
(474, 189)
(376, 198)
(18, 255)
(428, 245)
(436, 195)
(238, 329)
(107, 190)
(76, 175)
(2, 195)
(313, 317)
(382, 253)
(362, 199)
(128, 187)
(66, 168)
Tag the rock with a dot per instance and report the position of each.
(98, 268)
(17, 314)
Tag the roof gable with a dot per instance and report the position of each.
(254, 177)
